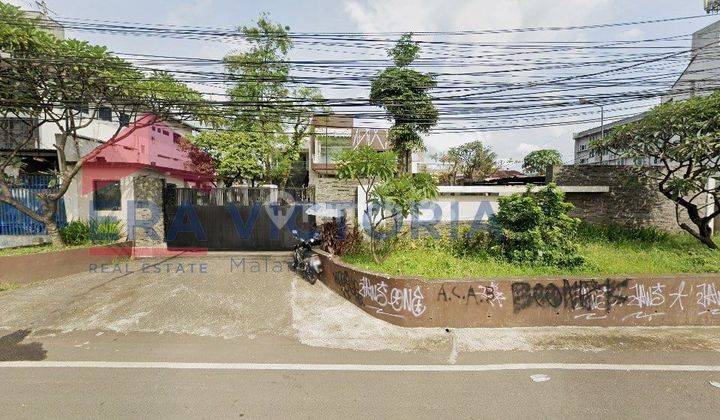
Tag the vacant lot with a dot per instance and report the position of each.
(606, 253)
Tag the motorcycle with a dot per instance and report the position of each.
(305, 261)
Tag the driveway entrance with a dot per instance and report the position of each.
(236, 219)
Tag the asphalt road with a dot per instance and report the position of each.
(265, 344)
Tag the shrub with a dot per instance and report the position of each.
(472, 242)
(80, 232)
(105, 230)
(76, 232)
(535, 228)
(339, 241)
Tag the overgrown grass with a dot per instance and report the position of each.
(608, 251)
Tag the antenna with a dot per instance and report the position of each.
(712, 6)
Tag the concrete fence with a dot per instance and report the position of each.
(523, 302)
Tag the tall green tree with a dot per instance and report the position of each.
(269, 118)
(63, 83)
(404, 94)
(683, 138)
(538, 161)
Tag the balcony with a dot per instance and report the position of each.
(328, 143)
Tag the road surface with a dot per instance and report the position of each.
(223, 341)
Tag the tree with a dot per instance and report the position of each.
(64, 83)
(404, 93)
(473, 160)
(269, 119)
(684, 139)
(387, 195)
(235, 154)
(538, 161)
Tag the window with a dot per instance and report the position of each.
(105, 113)
(83, 108)
(106, 195)
(124, 119)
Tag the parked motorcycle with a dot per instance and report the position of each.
(305, 261)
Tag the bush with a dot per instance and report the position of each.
(80, 232)
(472, 242)
(105, 230)
(535, 228)
(76, 232)
(337, 240)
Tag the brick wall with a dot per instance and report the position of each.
(630, 202)
(337, 191)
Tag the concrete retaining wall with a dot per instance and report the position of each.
(25, 269)
(638, 301)
(14, 241)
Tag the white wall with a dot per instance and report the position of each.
(464, 204)
(78, 204)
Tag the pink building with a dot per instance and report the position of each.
(106, 187)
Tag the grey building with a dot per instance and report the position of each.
(586, 155)
(701, 77)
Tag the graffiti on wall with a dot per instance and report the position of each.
(382, 299)
(663, 301)
(475, 293)
(403, 301)
(642, 300)
(349, 288)
(590, 295)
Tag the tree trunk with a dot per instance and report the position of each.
(53, 232)
(704, 234)
(373, 250)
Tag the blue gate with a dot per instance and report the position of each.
(25, 190)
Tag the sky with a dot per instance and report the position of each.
(394, 16)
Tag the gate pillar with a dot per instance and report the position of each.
(146, 224)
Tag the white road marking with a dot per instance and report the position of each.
(358, 367)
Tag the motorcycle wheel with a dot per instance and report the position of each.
(309, 275)
(296, 261)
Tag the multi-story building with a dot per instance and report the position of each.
(701, 77)
(334, 134)
(38, 155)
(585, 154)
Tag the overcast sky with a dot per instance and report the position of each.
(392, 15)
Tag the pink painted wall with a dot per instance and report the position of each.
(148, 144)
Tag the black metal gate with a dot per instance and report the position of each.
(242, 219)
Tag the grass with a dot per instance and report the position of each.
(8, 286)
(39, 249)
(608, 251)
